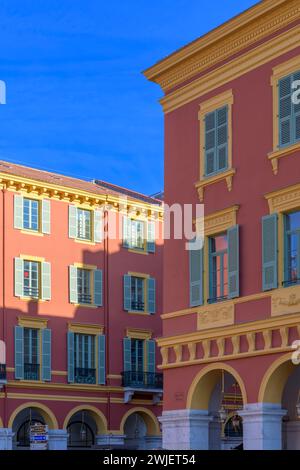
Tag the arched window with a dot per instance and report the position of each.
(80, 434)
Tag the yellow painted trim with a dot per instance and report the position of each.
(143, 275)
(47, 414)
(280, 71)
(206, 107)
(32, 232)
(33, 384)
(229, 331)
(274, 380)
(133, 312)
(205, 381)
(138, 333)
(232, 69)
(194, 310)
(150, 419)
(85, 266)
(226, 176)
(71, 398)
(140, 252)
(222, 42)
(220, 221)
(114, 376)
(86, 305)
(85, 242)
(32, 322)
(1, 422)
(284, 200)
(275, 157)
(32, 258)
(88, 328)
(98, 416)
(60, 372)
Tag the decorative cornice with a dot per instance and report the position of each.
(230, 38)
(215, 316)
(32, 322)
(232, 69)
(286, 301)
(224, 176)
(138, 333)
(220, 221)
(284, 199)
(85, 328)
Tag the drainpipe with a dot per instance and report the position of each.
(3, 301)
(106, 307)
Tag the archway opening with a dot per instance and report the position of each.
(140, 426)
(221, 392)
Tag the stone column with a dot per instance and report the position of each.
(262, 426)
(292, 429)
(153, 442)
(58, 439)
(110, 440)
(6, 438)
(185, 429)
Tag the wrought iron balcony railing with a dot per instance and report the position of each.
(31, 371)
(84, 298)
(137, 305)
(85, 376)
(151, 380)
(33, 292)
(2, 373)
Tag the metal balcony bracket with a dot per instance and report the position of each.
(157, 398)
(128, 394)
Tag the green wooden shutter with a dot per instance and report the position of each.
(18, 211)
(127, 354)
(46, 216)
(98, 288)
(98, 226)
(269, 252)
(196, 274)
(126, 232)
(233, 262)
(285, 111)
(73, 291)
(19, 277)
(101, 359)
(127, 292)
(296, 112)
(70, 356)
(151, 236)
(72, 222)
(221, 138)
(46, 354)
(151, 295)
(210, 143)
(150, 349)
(46, 280)
(19, 352)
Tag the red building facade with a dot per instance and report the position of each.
(81, 297)
(231, 317)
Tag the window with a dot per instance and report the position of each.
(84, 286)
(84, 224)
(137, 294)
(84, 358)
(137, 234)
(218, 260)
(289, 113)
(216, 141)
(31, 354)
(31, 214)
(292, 248)
(31, 279)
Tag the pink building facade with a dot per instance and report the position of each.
(231, 320)
(81, 297)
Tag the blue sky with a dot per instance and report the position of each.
(77, 102)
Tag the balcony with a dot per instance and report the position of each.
(31, 371)
(142, 382)
(32, 292)
(84, 298)
(137, 306)
(85, 376)
(2, 374)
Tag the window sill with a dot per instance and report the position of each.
(208, 180)
(84, 242)
(136, 250)
(32, 299)
(275, 156)
(32, 232)
(86, 305)
(136, 312)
